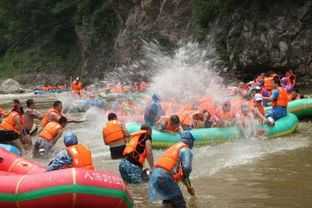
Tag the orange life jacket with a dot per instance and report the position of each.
(268, 83)
(2, 112)
(50, 130)
(282, 99)
(45, 119)
(170, 158)
(168, 126)
(224, 115)
(113, 131)
(255, 104)
(132, 146)
(76, 87)
(259, 78)
(82, 157)
(186, 117)
(8, 123)
(289, 81)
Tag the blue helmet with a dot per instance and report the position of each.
(155, 97)
(70, 139)
(188, 138)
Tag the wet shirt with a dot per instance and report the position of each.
(62, 159)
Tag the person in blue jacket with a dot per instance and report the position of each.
(153, 111)
(174, 165)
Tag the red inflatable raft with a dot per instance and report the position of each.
(24, 184)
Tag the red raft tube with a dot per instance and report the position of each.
(24, 184)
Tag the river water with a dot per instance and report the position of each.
(247, 173)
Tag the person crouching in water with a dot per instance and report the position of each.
(73, 156)
(174, 165)
(115, 135)
(138, 148)
(49, 136)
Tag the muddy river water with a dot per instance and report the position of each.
(247, 173)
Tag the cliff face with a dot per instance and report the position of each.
(249, 39)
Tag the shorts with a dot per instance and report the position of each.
(116, 152)
(130, 172)
(42, 147)
(6, 136)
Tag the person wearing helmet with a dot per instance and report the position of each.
(245, 120)
(73, 156)
(169, 123)
(173, 166)
(258, 109)
(224, 115)
(153, 111)
(76, 87)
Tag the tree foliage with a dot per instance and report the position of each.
(51, 24)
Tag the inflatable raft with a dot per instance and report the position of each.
(37, 92)
(283, 126)
(24, 184)
(10, 148)
(301, 107)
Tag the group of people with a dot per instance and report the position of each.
(173, 166)
(125, 88)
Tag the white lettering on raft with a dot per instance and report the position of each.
(102, 177)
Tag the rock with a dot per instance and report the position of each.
(10, 86)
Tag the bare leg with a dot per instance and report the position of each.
(27, 142)
(19, 145)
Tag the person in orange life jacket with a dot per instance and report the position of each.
(2, 114)
(138, 148)
(279, 101)
(291, 78)
(225, 116)
(258, 109)
(169, 124)
(11, 128)
(246, 120)
(76, 86)
(174, 165)
(251, 93)
(74, 155)
(55, 113)
(295, 95)
(115, 135)
(29, 126)
(49, 136)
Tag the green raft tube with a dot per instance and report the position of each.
(301, 108)
(283, 126)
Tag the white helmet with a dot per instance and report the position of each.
(258, 97)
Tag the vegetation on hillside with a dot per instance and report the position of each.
(38, 35)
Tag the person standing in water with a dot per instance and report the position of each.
(138, 148)
(115, 135)
(174, 165)
(11, 128)
(55, 113)
(29, 116)
(153, 111)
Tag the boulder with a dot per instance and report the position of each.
(10, 86)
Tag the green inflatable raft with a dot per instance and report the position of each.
(301, 107)
(283, 126)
